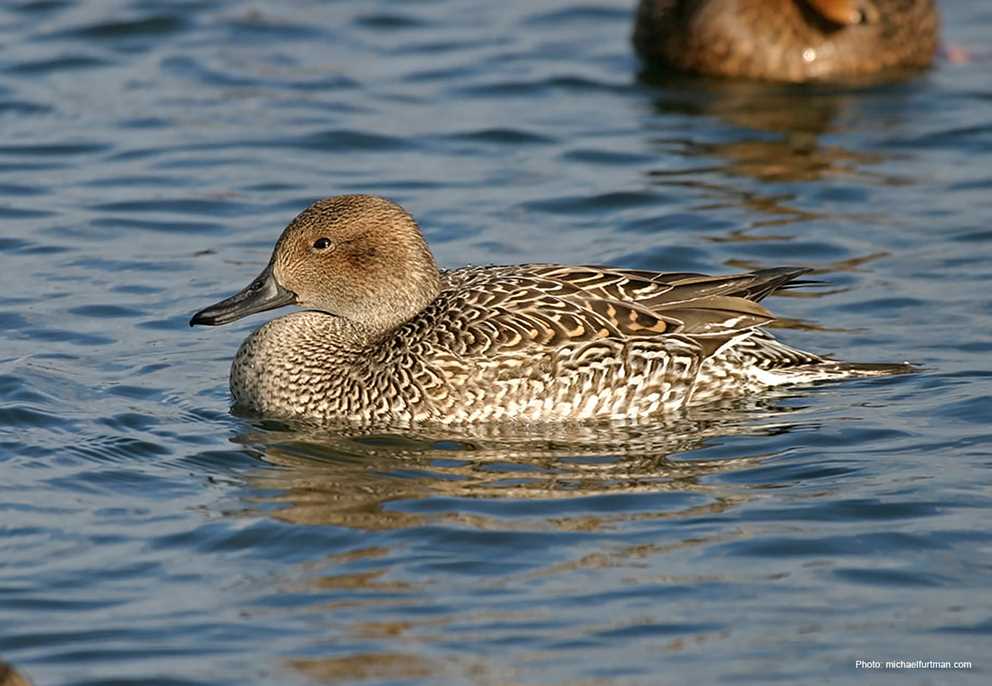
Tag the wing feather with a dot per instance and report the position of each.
(512, 308)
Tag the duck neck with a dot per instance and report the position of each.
(409, 294)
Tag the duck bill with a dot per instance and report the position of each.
(264, 293)
(840, 12)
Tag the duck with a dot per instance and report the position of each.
(788, 40)
(385, 337)
(11, 677)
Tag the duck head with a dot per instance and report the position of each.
(360, 257)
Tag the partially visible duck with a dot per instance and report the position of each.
(388, 338)
(788, 40)
(11, 677)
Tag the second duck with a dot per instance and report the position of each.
(788, 40)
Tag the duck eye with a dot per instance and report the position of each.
(322, 244)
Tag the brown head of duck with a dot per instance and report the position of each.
(360, 257)
(788, 40)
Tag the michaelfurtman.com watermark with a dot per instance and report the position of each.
(912, 664)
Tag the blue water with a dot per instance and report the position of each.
(152, 152)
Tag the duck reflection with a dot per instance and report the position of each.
(353, 477)
(773, 135)
(366, 666)
(392, 483)
(782, 125)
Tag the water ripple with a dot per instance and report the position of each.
(56, 65)
(160, 25)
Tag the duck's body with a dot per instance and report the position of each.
(788, 40)
(531, 342)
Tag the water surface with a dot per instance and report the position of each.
(151, 154)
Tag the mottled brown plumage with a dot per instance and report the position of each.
(389, 338)
(788, 40)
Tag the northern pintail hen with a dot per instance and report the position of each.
(387, 337)
(788, 40)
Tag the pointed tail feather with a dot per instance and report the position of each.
(835, 370)
(764, 282)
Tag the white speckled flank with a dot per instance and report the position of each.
(527, 342)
